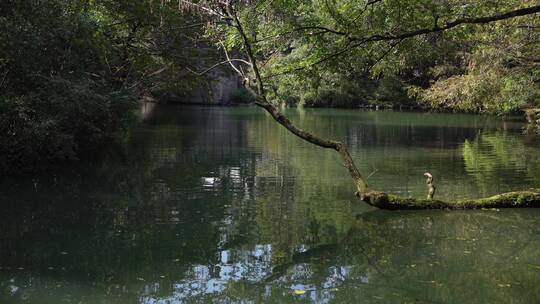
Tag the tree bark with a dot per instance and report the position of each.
(517, 199)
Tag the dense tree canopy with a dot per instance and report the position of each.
(70, 71)
(349, 53)
(242, 24)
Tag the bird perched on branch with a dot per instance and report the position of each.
(430, 186)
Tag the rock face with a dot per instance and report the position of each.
(533, 120)
(216, 91)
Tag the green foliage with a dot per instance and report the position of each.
(153, 45)
(319, 53)
(70, 72)
(56, 99)
(58, 120)
(242, 96)
(488, 154)
(501, 73)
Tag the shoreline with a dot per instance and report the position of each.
(413, 109)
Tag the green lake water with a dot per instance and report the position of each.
(221, 205)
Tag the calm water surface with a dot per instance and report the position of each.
(219, 205)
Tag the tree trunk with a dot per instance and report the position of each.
(348, 162)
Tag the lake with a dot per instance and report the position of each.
(221, 205)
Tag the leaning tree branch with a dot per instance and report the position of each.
(374, 198)
(262, 101)
(321, 30)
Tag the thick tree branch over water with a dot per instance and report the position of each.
(356, 42)
(228, 10)
(450, 25)
(411, 33)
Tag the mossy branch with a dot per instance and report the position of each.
(517, 199)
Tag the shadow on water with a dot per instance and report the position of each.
(427, 257)
(219, 205)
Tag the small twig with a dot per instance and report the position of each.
(380, 58)
(301, 68)
(4, 78)
(230, 62)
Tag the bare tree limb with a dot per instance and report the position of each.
(229, 61)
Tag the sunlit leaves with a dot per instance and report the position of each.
(304, 44)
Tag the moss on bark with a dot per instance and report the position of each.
(517, 199)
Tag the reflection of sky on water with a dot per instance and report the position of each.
(232, 266)
(252, 266)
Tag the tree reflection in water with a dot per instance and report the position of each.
(457, 257)
(217, 205)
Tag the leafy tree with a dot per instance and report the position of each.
(323, 31)
(55, 99)
(70, 72)
(500, 72)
